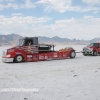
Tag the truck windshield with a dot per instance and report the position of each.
(21, 42)
(93, 44)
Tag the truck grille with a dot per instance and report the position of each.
(86, 49)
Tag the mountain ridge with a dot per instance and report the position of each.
(12, 39)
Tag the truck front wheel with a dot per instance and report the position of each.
(94, 53)
(84, 54)
(18, 59)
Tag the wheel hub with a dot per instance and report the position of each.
(19, 58)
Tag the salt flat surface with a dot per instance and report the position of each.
(68, 79)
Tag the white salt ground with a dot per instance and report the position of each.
(68, 79)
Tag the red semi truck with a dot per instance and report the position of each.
(92, 49)
(29, 50)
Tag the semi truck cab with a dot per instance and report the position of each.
(26, 47)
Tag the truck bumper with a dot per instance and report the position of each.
(88, 53)
(7, 59)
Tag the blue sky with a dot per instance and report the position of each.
(78, 19)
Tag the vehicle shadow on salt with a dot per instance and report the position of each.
(92, 56)
(42, 61)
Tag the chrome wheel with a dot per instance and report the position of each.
(18, 58)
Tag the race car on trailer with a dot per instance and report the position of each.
(29, 50)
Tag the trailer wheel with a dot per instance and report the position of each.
(94, 53)
(18, 58)
(72, 54)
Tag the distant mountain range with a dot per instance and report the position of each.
(12, 39)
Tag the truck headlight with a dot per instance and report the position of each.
(91, 49)
(8, 55)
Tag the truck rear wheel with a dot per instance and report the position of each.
(18, 59)
(72, 54)
(94, 53)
